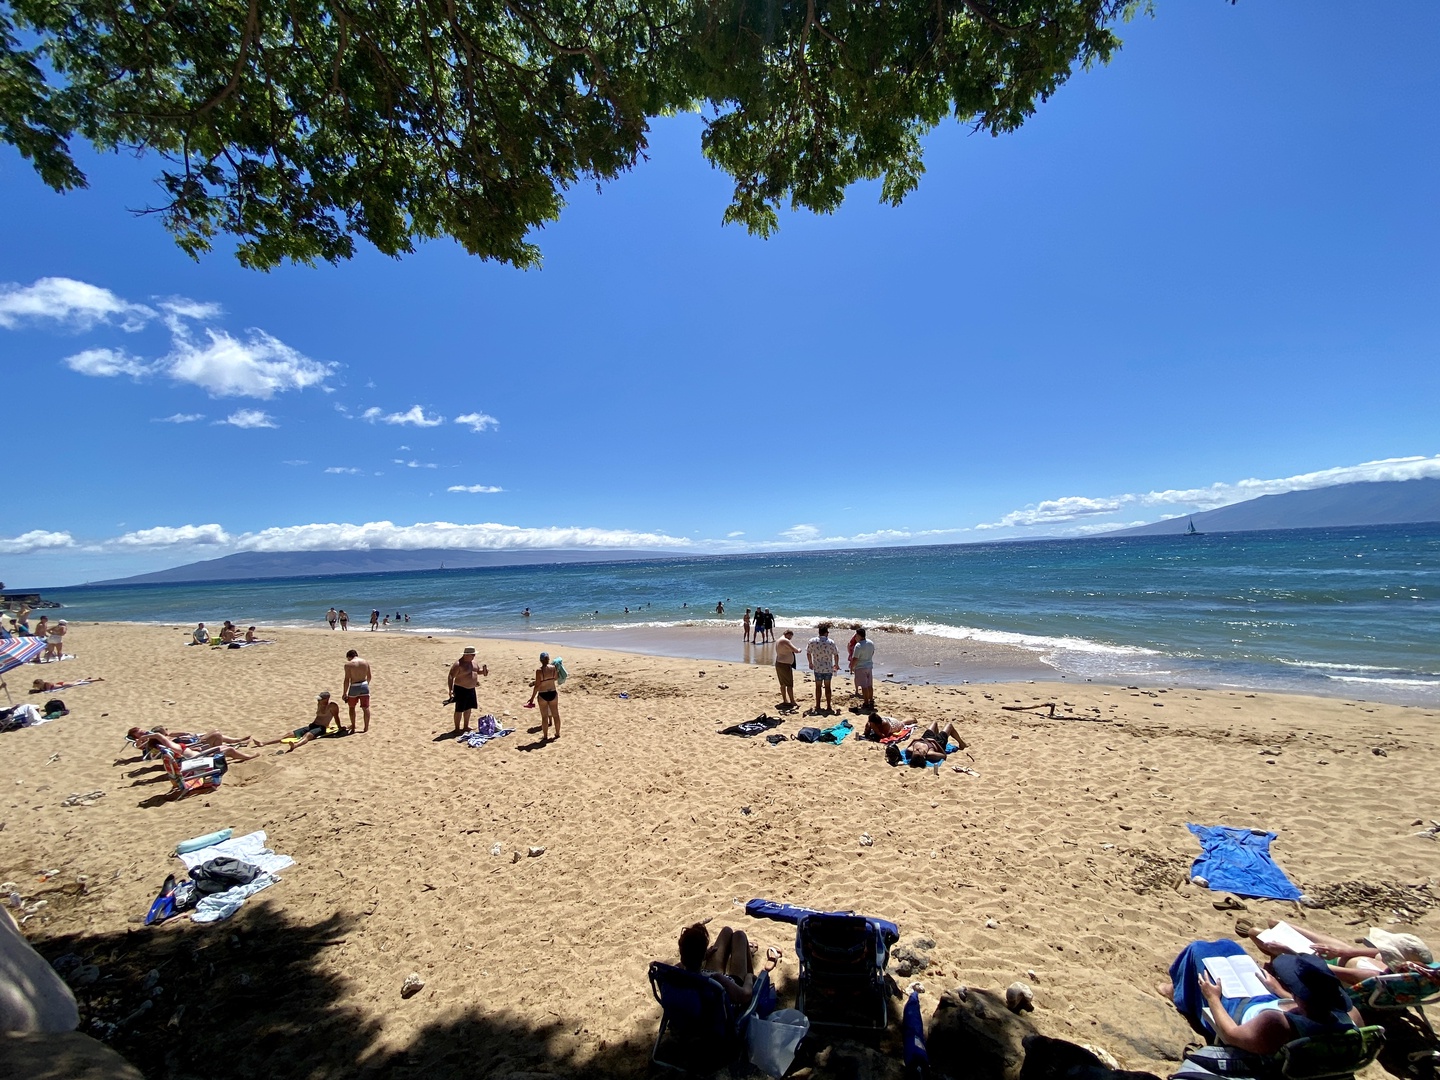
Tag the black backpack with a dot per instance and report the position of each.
(222, 873)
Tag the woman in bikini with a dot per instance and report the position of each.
(546, 688)
(43, 686)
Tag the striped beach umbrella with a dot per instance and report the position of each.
(15, 651)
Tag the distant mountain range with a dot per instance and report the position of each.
(1374, 502)
(248, 565)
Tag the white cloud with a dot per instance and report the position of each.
(416, 464)
(1207, 498)
(476, 489)
(478, 421)
(733, 535)
(1075, 507)
(414, 415)
(105, 363)
(224, 366)
(172, 536)
(258, 365)
(341, 470)
(249, 418)
(443, 534)
(179, 418)
(35, 540)
(75, 304)
(175, 309)
(1052, 511)
(801, 534)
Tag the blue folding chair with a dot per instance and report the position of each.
(701, 1029)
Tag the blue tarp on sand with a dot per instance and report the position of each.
(1238, 861)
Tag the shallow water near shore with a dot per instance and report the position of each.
(1352, 612)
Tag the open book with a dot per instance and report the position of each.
(1287, 937)
(1238, 975)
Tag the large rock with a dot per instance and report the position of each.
(66, 1056)
(973, 1036)
(1056, 1059)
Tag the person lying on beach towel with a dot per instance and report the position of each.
(41, 686)
(932, 745)
(886, 728)
(1382, 951)
(327, 712)
(187, 745)
(729, 962)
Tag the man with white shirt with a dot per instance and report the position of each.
(823, 658)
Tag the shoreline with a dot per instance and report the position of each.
(1059, 851)
(914, 656)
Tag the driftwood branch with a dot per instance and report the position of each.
(1051, 714)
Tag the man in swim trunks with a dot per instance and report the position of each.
(823, 658)
(464, 677)
(326, 712)
(862, 665)
(785, 654)
(357, 687)
(332, 616)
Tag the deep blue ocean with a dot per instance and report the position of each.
(1350, 611)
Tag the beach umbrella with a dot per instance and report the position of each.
(15, 651)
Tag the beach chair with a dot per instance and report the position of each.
(189, 775)
(842, 972)
(701, 1029)
(1334, 1056)
(1396, 1001)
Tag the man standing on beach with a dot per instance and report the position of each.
(374, 618)
(357, 687)
(823, 658)
(461, 682)
(332, 616)
(785, 654)
(862, 664)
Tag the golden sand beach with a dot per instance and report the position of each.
(1064, 852)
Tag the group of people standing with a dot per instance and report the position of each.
(761, 629)
(339, 618)
(822, 656)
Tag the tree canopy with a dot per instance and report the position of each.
(296, 127)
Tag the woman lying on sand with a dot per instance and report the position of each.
(187, 745)
(41, 686)
(931, 745)
(727, 962)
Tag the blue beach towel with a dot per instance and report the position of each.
(837, 733)
(771, 909)
(1238, 861)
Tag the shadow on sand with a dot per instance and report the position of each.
(255, 998)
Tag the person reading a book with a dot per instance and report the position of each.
(1225, 995)
(1381, 952)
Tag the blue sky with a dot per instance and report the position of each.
(1211, 262)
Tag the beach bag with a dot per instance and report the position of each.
(55, 707)
(808, 734)
(772, 1040)
(221, 873)
(560, 673)
(486, 725)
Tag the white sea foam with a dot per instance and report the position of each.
(1385, 682)
(1033, 642)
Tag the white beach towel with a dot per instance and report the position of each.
(248, 849)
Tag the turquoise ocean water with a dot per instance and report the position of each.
(1341, 611)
